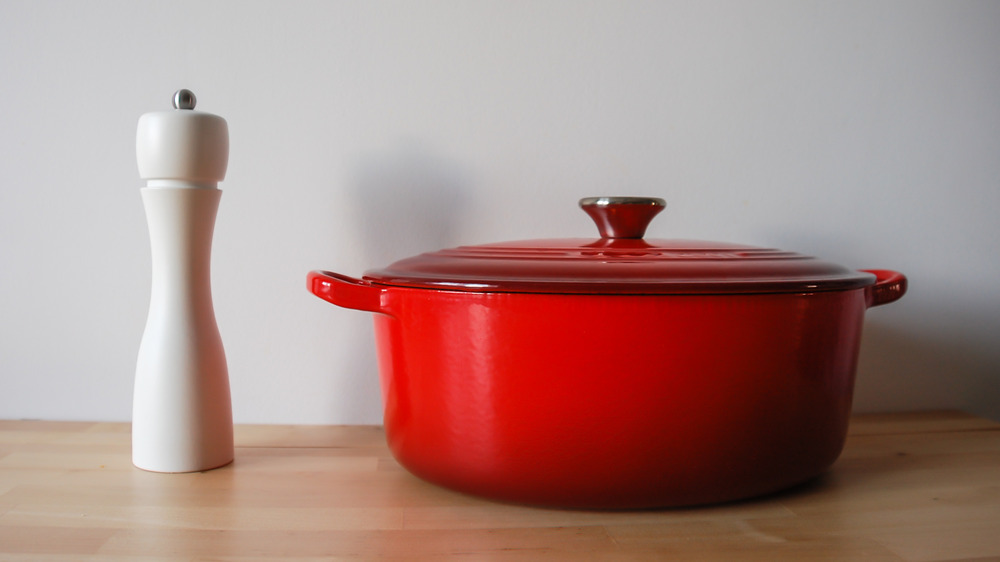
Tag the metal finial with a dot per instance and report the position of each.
(184, 99)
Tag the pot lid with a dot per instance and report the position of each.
(621, 261)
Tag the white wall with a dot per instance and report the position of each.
(362, 132)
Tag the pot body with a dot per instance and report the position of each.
(615, 401)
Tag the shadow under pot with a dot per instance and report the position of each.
(617, 372)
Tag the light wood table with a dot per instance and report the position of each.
(908, 487)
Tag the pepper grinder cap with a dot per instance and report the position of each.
(182, 147)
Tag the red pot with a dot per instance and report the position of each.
(617, 372)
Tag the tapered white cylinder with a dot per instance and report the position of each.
(182, 413)
(182, 417)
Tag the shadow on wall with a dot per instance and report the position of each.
(901, 370)
(409, 201)
(406, 201)
(937, 352)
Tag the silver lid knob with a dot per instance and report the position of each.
(184, 99)
(622, 217)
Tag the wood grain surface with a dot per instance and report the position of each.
(923, 486)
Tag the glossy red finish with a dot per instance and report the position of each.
(619, 266)
(619, 373)
(605, 401)
(619, 262)
(890, 286)
(347, 292)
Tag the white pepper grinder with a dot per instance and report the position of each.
(182, 417)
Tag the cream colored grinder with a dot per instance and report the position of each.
(182, 411)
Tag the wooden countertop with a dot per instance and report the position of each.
(922, 486)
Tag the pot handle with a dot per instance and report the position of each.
(347, 292)
(889, 286)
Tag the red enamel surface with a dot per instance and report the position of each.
(890, 286)
(621, 261)
(618, 372)
(619, 266)
(617, 402)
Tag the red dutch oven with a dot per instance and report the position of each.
(615, 372)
